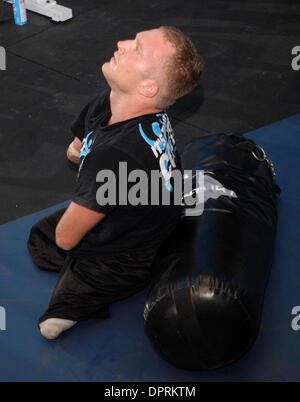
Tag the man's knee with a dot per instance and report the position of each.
(41, 243)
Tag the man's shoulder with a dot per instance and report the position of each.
(140, 141)
(98, 103)
(145, 130)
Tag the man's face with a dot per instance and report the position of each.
(137, 60)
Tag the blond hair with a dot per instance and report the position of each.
(183, 69)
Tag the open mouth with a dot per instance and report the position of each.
(113, 60)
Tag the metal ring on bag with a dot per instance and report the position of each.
(264, 156)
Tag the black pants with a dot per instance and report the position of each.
(86, 285)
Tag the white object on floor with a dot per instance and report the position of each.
(49, 8)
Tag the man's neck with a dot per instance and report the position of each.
(124, 107)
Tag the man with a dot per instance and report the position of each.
(104, 251)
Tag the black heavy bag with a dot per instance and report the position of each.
(204, 306)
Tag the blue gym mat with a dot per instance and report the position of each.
(117, 349)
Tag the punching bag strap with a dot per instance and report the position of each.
(246, 154)
(259, 154)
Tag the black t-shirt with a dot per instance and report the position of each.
(122, 154)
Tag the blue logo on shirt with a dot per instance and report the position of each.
(163, 147)
(86, 146)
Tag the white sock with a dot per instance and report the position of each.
(53, 327)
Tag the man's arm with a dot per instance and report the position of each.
(73, 150)
(74, 224)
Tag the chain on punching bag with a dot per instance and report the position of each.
(204, 305)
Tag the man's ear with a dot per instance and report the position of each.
(148, 88)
